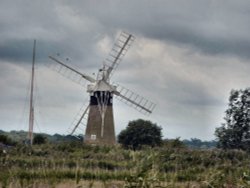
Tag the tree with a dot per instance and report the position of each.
(4, 139)
(140, 132)
(174, 143)
(39, 139)
(235, 132)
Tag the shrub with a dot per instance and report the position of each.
(140, 132)
(39, 139)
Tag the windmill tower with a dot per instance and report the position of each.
(100, 122)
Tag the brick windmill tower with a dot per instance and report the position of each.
(100, 121)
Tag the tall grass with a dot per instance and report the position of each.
(149, 167)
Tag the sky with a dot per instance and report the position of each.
(187, 56)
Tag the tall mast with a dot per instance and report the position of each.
(31, 116)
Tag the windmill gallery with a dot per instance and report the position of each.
(100, 127)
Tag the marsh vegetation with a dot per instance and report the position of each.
(73, 164)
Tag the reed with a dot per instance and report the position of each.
(149, 167)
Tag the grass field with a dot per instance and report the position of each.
(78, 165)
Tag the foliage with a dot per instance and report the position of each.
(196, 143)
(6, 140)
(165, 166)
(39, 139)
(172, 165)
(235, 132)
(140, 132)
(3, 139)
(174, 143)
(21, 136)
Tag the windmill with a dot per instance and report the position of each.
(100, 121)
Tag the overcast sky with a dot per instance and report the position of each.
(187, 56)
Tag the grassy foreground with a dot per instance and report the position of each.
(77, 165)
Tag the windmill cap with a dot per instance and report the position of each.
(101, 85)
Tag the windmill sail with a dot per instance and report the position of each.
(115, 56)
(70, 72)
(133, 99)
(80, 119)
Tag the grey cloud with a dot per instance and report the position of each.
(213, 27)
(21, 51)
(16, 50)
(212, 46)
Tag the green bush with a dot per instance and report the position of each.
(39, 139)
(6, 140)
(139, 133)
